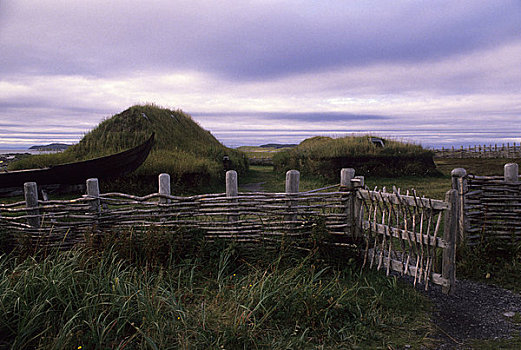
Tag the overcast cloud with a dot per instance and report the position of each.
(436, 72)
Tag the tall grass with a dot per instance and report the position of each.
(208, 298)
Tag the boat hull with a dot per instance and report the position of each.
(76, 173)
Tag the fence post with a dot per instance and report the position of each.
(449, 236)
(459, 183)
(232, 190)
(358, 206)
(31, 202)
(93, 191)
(292, 181)
(292, 186)
(511, 173)
(346, 175)
(164, 187)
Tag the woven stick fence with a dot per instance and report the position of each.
(410, 235)
(253, 217)
(481, 151)
(492, 206)
(402, 233)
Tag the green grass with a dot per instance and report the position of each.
(431, 187)
(123, 296)
(275, 181)
(476, 166)
(434, 187)
(261, 152)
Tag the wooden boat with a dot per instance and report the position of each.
(77, 173)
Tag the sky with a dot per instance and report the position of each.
(438, 73)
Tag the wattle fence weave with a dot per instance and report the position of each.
(399, 232)
(492, 207)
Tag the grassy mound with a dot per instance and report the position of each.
(191, 155)
(325, 156)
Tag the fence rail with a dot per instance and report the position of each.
(481, 151)
(402, 233)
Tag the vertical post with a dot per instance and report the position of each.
(232, 190)
(346, 175)
(292, 181)
(511, 173)
(292, 186)
(164, 187)
(459, 183)
(358, 206)
(449, 236)
(31, 202)
(93, 191)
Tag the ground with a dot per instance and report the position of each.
(475, 315)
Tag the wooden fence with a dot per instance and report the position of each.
(402, 233)
(492, 206)
(480, 151)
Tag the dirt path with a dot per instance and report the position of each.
(475, 311)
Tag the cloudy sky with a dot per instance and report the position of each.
(252, 72)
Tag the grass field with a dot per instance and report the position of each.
(161, 293)
(136, 294)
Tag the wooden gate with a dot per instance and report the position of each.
(410, 235)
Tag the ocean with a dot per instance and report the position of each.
(21, 151)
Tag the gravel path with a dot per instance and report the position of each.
(475, 311)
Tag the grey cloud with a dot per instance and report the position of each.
(26, 104)
(301, 117)
(246, 40)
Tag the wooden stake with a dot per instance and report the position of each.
(232, 190)
(31, 202)
(511, 173)
(449, 236)
(164, 187)
(93, 191)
